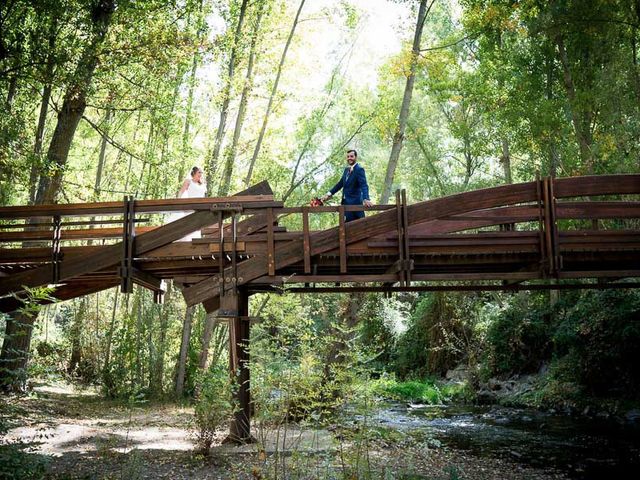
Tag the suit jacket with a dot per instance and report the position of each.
(354, 186)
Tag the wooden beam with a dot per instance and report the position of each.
(327, 240)
(110, 255)
(257, 194)
(342, 239)
(468, 288)
(306, 241)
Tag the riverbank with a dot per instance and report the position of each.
(58, 432)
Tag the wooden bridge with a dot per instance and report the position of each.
(579, 232)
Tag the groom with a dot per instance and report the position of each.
(355, 190)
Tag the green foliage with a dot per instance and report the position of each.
(213, 407)
(18, 461)
(520, 338)
(439, 335)
(600, 336)
(430, 391)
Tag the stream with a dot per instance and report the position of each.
(581, 447)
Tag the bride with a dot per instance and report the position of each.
(194, 186)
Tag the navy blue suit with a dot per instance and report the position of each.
(354, 190)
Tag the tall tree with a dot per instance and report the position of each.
(274, 91)
(212, 161)
(398, 137)
(74, 103)
(227, 172)
(15, 347)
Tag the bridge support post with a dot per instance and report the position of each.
(239, 334)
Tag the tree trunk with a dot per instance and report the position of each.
(11, 93)
(220, 342)
(158, 372)
(226, 97)
(37, 148)
(505, 161)
(76, 334)
(398, 137)
(15, 352)
(553, 150)
(634, 52)
(341, 337)
(227, 171)
(274, 90)
(581, 123)
(209, 325)
(184, 350)
(127, 181)
(186, 144)
(73, 105)
(42, 117)
(106, 369)
(186, 147)
(102, 154)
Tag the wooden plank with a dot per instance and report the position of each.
(400, 238)
(342, 240)
(69, 234)
(109, 255)
(215, 248)
(335, 209)
(147, 280)
(188, 279)
(597, 210)
(145, 206)
(259, 193)
(407, 262)
(128, 246)
(221, 259)
(271, 262)
(279, 280)
(466, 288)
(234, 254)
(63, 292)
(599, 274)
(472, 240)
(425, 277)
(306, 241)
(623, 184)
(326, 240)
(557, 261)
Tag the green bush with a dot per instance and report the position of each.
(18, 461)
(213, 406)
(428, 391)
(520, 338)
(439, 335)
(600, 336)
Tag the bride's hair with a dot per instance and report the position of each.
(195, 170)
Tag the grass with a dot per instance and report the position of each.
(427, 390)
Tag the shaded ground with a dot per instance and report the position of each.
(78, 435)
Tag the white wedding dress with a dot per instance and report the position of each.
(194, 190)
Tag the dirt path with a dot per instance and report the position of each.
(79, 435)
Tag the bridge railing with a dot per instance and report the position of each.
(32, 237)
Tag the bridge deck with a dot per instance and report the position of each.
(513, 236)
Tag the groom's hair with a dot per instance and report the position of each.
(355, 152)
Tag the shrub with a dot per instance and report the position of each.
(520, 338)
(213, 407)
(600, 336)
